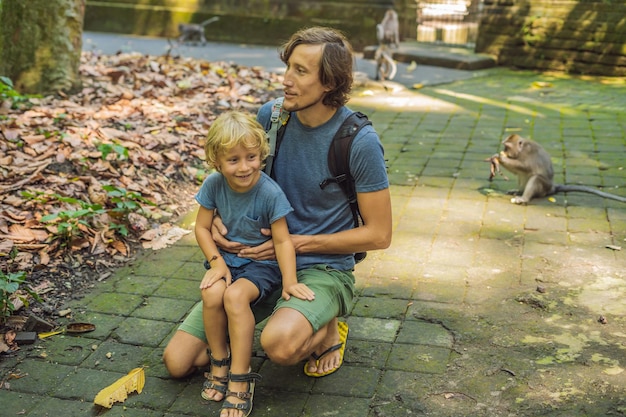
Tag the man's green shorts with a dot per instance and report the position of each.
(334, 294)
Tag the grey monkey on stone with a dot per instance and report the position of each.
(193, 31)
(532, 164)
(388, 30)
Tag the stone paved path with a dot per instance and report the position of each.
(479, 307)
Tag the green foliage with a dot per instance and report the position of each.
(10, 283)
(7, 92)
(68, 222)
(78, 215)
(106, 149)
(125, 201)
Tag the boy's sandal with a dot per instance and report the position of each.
(211, 380)
(247, 396)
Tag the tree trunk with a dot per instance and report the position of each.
(41, 43)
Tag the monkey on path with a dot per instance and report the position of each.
(533, 167)
(192, 31)
(388, 30)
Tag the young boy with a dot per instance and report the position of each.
(247, 200)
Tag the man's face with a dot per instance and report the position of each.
(303, 88)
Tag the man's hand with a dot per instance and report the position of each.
(218, 231)
(263, 252)
(298, 290)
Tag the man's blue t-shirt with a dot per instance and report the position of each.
(302, 164)
(244, 214)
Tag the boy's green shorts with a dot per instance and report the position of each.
(334, 293)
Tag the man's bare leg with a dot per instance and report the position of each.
(330, 360)
(184, 354)
(288, 338)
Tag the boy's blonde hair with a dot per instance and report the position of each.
(231, 129)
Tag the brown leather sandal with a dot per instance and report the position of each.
(211, 380)
(246, 396)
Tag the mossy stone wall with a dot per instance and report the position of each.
(267, 22)
(578, 37)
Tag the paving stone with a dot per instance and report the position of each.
(180, 289)
(424, 333)
(380, 308)
(58, 407)
(39, 377)
(397, 407)
(440, 292)
(142, 332)
(17, 403)
(285, 378)
(114, 303)
(367, 353)
(321, 405)
(271, 403)
(137, 284)
(111, 355)
(105, 323)
(418, 358)
(387, 285)
(365, 328)
(188, 400)
(67, 350)
(157, 394)
(403, 384)
(349, 381)
(167, 309)
(149, 266)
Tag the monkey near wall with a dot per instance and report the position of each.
(533, 167)
(194, 31)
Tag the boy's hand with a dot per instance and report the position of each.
(298, 290)
(213, 275)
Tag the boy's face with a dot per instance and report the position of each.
(303, 88)
(240, 167)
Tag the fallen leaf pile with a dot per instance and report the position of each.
(86, 176)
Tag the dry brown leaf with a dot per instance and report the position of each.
(19, 233)
(165, 235)
(120, 246)
(158, 110)
(119, 390)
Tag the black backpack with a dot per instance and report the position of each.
(338, 155)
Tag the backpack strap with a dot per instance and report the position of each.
(339, 165)
(339, 160)
(278, 120)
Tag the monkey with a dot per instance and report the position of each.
(192, 31)
(387, 33)
(388, 30)
(532, 164)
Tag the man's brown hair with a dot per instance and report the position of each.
(336, 62)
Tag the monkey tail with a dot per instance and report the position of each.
(586, 189)
(209, 21)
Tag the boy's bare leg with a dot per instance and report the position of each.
(215, 327)
(241, 324)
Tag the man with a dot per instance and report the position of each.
(317, 82)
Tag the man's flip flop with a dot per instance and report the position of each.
(343, 337)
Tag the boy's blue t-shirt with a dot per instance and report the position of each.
(244, 214)
(302, 164)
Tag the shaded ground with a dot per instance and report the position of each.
(88, 180)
